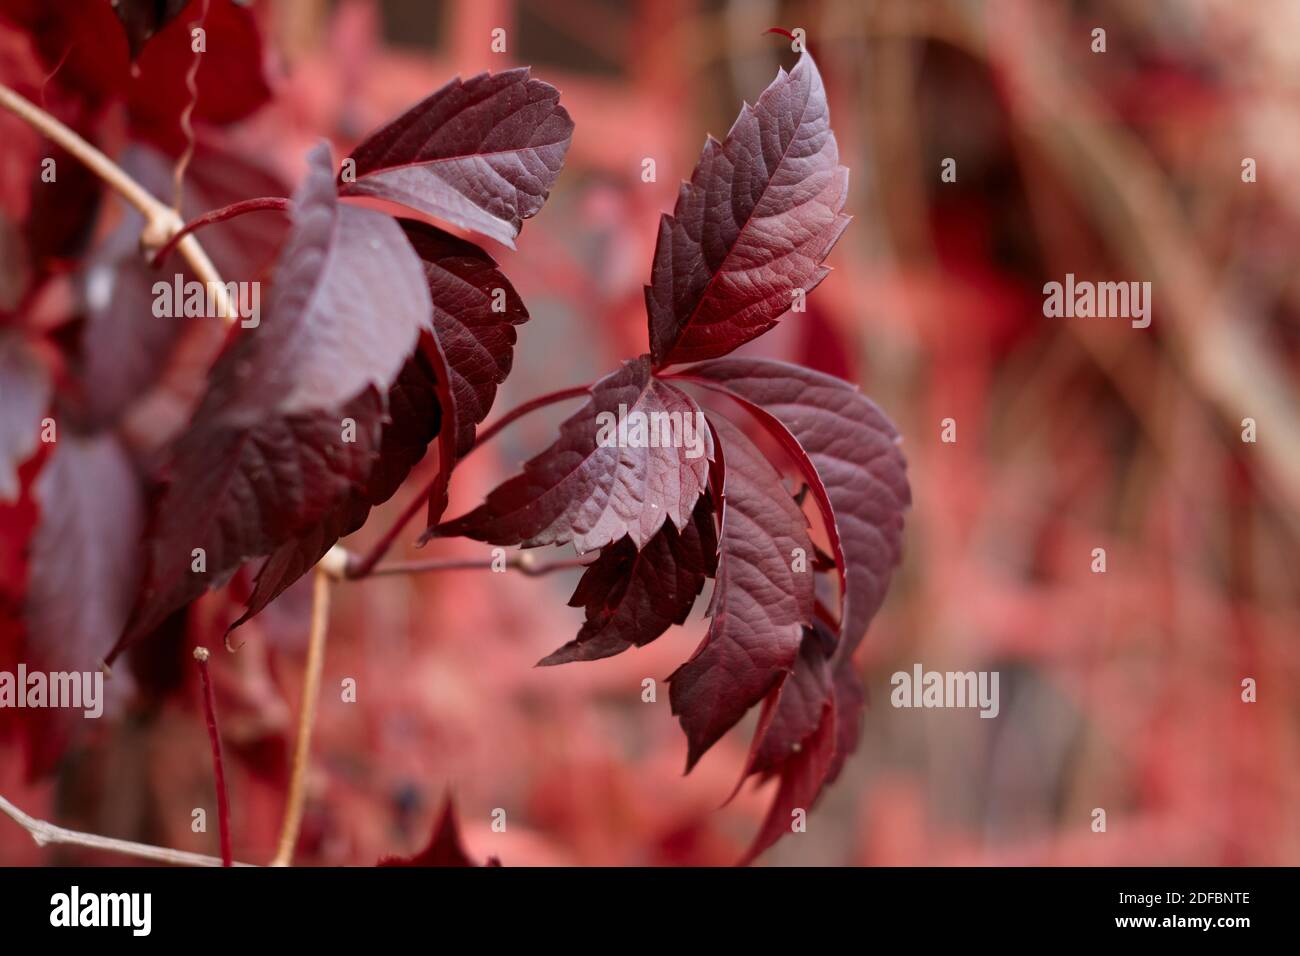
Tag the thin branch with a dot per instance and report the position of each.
(320, 609)
(218, 767)
(512, 416)
(161, 222)
(524, 562)
(44, 834)
(365, 566)
(215, 216)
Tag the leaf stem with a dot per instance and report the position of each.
(218, 215)
(43, 834)
(512, 416)
(292, 822)
(366, 565)
(218, 766)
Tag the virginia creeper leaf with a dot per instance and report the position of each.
(444, 848)
(760, 602)
(480, 154)
(808, 728)
(475, 311)
(414, 420)
(848, 452)
(587, 489)
(753, 225)
(290, 424)
(633, 596)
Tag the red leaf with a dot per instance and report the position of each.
(475, 311)
(444, 848)
(266, 456)
(802, 778)
(24, 397)
(760, 603)
(84, 567)
(85, 552)
(808, 728)
(231, 80)
(143, 18)
(414, 420)
(587, 489)
(633, 596)
(86, 52)
(799, 705)
(82, 38)
(481, 153)
(756, 220)
(471, 348)
(849, 455)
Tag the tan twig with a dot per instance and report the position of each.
(44, 834)
(320, 610)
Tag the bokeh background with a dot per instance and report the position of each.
(1119, 690)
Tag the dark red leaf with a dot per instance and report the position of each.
(269, 453)
(475, 311)
(753, 225)
(143, 18)
(802, 778)
(808, 728)
(414, 420)
(63, 214)
(798, 710)
(480, 154)
(760, 603)
(82, 38)
(444, 848)
(588, 490)
(633, 596)
(345, 311)
(240, 492)
(85, 552)
(24, 397)
(83, 569)
(231, 79)
(849, 455)
(850, 700)
(87, 55)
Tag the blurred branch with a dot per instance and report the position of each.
(46, 833)
(524, 561)
(292, 823)
(1136, 212)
